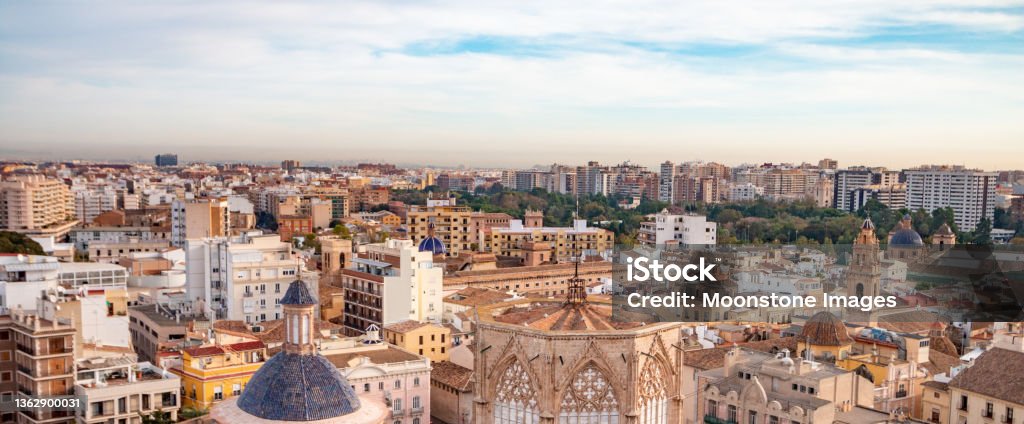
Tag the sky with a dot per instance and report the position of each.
(516, 83)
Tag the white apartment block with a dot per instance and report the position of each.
(669, 229)
(391, 282)
(970, 193)
(243, 277)
(89, 204)
(36, 205)
(849, 180)
(745, 192)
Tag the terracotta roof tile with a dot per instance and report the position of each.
(990, 376)
(451, 374)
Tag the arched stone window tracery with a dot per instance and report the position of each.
(515, 401)
(589, 399)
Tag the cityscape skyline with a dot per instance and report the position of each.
(449, 83)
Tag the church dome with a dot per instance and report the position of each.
(944, 230)
(296, 387)
(825, 329)
(906, 237)
(433, 245)
(297, 384)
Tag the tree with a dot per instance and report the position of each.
(983, 232)
(11, 242)
(342, 231)
(157, 417)
(310, 240)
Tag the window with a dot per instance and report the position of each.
(712, 409)
(397, 404)
(366, 387)
(416, 382)
(1009, 415)
(751, 417)
(236, 389)
(730, 412)
(988, 410)
(963, 402)
(415, 402)
(935, 415)
(218, 393)
(773, 419)
(122, 405)
(398, 384)
(380, 386)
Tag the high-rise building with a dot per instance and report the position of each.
(666, 181)
(36, 205)
(199, 218)
(849, 180)
(971, 193)
(290, 165)
(166, 159)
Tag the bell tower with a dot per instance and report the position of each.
(864, 273)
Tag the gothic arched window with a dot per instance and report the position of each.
(589, 399)
(515, 401)
(653, 395)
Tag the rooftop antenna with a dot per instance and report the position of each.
(577, 291)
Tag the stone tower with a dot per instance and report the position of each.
(864, 273)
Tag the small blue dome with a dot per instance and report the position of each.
(906, 237)
(433, 245)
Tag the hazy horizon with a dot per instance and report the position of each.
(516, 84)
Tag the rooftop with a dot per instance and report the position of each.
(990, 376)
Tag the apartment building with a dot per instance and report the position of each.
(986, 392)
(243, 277)
(672, 229)
(36, 205)
(120, 390)
(198, 219)
(847, 181)
(424, 338)
(565, 242)
(391, 282)
(210, 374)
(44, 356)
(451, 225)
(970, 193)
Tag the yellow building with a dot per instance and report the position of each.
(430, 340)
(451, 225)
(565, 242)
(210, 374)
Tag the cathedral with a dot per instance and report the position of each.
(552, 361)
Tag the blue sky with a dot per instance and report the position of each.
(517, 83)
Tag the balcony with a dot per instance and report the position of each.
(396, 413)
(711, 419)
(416, 411)
(247, 294)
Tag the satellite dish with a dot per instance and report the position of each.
(52, 298)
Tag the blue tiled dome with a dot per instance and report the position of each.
(906, 237)
(298, 294)
(295, 387)
(433, 245)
